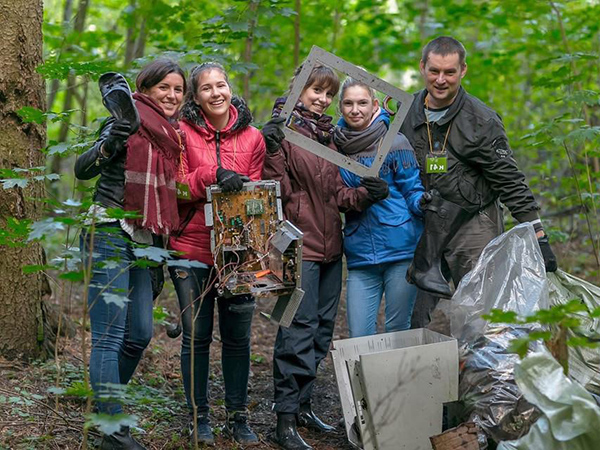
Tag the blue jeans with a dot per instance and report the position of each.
(235, 319)
(365, 288)
(119, 333)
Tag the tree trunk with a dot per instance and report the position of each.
(82, 9)
(66, 26)
(337, 17)
(297, 33)
(140, 44)
(253, 8)
(21, 316)
(130, 36)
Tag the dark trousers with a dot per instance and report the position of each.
(460, 257)
(300, 348)
(235, 319)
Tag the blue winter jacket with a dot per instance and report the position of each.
(389, 230)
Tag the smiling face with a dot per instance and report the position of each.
(442, 76)
(358, 107)
(168, 93)
(213, 95)
(317, 98)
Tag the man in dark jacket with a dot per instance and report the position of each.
(464, 154)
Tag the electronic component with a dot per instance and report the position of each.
(254, 207)
(255, 251)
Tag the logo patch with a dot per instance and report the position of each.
(501, 148)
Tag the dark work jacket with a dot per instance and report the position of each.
(111, 184)
(481, 167)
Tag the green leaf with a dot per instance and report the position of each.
(238, 26)
(287, 12)
(500, 316)
(61, 70)
(34, 268)
(43, 227)
(119, 213)
(119, 300)
(578, 341)
(56, 390)
(152, 253)
(159, 314)
(109, 424)
(71, 202)
(569, 57)
(187, 263)
(58, 149)
(540, 335)
(519, 346)
(584, 134)
(15, 182)
(50, 177)
(73, 276)
(145, 263)
(31, 115)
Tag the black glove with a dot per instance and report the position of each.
(377, 188)
(548, 254)
(426, 198)
(230, 181)
(273, 134)
(117, 137)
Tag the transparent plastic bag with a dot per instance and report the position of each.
(510, 276)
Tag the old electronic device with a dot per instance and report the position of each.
(255, 251)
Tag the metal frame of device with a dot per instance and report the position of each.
(404, 100)
(282, 246)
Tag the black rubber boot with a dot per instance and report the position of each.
(204, 430)
(308, 419)
(121, 440)
(116, 97)
(237, 428)
(286, 434)
(442, 220)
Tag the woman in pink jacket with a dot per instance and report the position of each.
(221, 148)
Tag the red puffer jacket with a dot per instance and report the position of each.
(241, 148)
(312, 190)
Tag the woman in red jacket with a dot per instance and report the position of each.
(313, 194)
(221, 148)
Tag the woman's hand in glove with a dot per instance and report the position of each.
(117, 137)
(230, 181)
(273, 134)
(377, 188)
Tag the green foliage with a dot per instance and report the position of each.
(568, 316)
(536, 63)
(109, 424)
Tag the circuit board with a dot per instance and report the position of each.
(255, 251)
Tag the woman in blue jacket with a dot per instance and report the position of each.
(379, 243)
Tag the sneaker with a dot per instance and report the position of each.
(205, 434)
(237, 428)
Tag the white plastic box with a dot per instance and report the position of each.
(393, 385)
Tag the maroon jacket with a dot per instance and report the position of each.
(313, 194)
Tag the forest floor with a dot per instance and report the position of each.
(31, 417)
